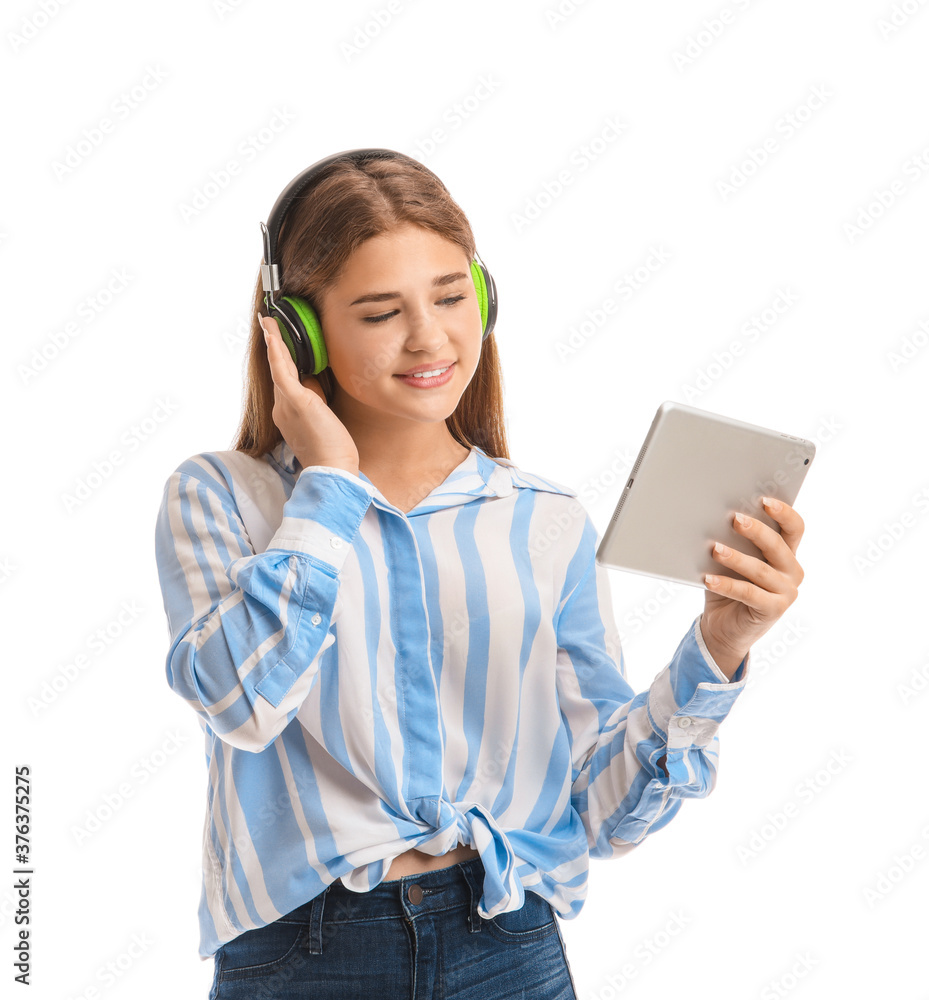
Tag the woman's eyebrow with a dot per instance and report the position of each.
(442, 279)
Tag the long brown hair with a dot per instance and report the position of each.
(347, 204)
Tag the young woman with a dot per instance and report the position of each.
(402, 652)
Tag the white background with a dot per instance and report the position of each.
(805, 873)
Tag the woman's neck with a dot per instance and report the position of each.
(399, 449)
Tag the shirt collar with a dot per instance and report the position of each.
(478, 475)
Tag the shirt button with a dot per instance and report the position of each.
(335, 542)
(415, 893)
(316, 619)
(684, 721)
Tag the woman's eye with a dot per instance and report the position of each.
(381, 318)
(451, 300)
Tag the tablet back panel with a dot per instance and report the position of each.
(693, 472)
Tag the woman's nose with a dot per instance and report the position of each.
(424, 331)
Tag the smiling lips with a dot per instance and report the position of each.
(426, 378)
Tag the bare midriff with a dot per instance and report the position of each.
(412, 862)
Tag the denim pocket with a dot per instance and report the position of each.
(535, 919)
(263, 950)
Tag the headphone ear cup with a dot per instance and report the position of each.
(486, 297)
(302, 333)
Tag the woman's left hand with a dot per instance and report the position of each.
(738, 612)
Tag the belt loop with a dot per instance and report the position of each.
(316, 923)
(472, 874)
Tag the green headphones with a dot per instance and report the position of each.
(296, 318)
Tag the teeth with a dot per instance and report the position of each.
(438, 371)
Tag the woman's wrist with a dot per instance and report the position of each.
(726, 659)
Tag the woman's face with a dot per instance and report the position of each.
(405, 300)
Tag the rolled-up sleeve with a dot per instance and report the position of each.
(635, 757)
(248, 628)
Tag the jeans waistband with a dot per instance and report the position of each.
(409, 896)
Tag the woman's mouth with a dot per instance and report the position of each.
(428, 379)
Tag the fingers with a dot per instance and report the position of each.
(770, 584)
(283, 369)
(778, 550)
(763, 579)
(767, 605)
(790, 522)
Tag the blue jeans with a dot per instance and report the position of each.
(411, 938)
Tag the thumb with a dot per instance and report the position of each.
(312, 382)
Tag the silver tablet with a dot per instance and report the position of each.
(693, 472)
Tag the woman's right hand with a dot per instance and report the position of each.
(301, 413)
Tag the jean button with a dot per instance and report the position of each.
(415, 893)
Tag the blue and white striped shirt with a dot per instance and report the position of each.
(370, 680)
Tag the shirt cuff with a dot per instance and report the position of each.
(323, 514)
(691, 696)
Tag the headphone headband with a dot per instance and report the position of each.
(272, 230)
(296, 318)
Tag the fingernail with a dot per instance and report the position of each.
(723, 550)
(711, 579)
(743, 520)
(771, 504)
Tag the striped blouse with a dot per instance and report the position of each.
(369, 681)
